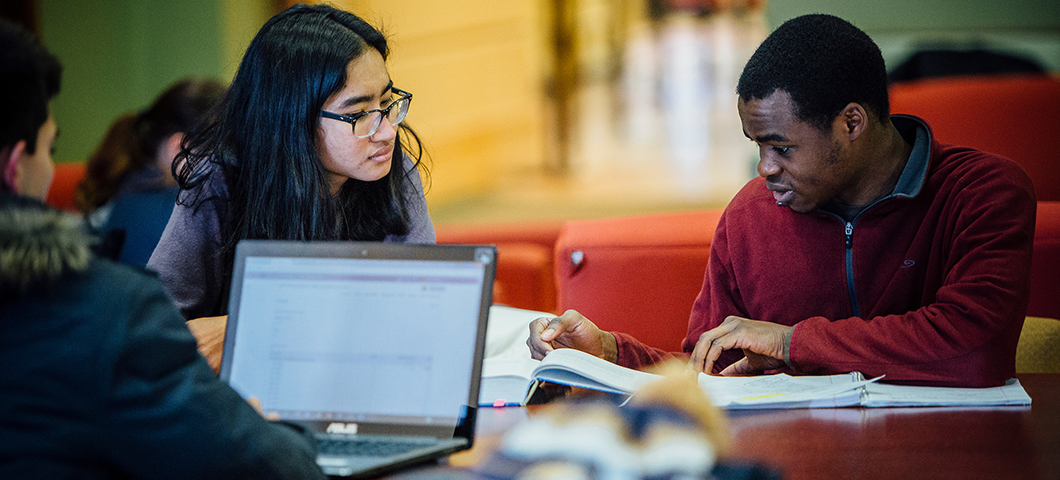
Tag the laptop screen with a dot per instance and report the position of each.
(320, 338)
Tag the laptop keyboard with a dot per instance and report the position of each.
(366, 448)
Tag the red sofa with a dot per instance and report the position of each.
(64, 185)
(1011, 115)
(637, 274)
(524, 259)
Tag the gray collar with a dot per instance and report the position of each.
(915, 172)
(913, 175)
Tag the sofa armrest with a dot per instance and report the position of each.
(524, 259)
(1045, 265)
(638, 274)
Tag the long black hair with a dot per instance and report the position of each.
(263, 138)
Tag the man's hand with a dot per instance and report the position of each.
(765, 346)
(570, 330)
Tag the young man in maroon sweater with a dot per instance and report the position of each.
(864, 245)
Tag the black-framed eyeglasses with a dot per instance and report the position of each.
(365, 124)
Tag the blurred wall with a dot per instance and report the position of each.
(117, 55)
(476, 70)
(482, 71)
(1029, 28)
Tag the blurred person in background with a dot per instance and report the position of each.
(129, 187)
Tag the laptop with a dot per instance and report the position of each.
(370, 345)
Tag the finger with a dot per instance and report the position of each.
(538, 347)
(537, 328)
(714, 351)
(538, 325)
(555, 328)
(728, 341)
(254, 402)
(701, 354)
(740, 368)
(695, 361)
(701, 359)
(541, 325)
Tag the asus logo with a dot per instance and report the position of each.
(343, 428)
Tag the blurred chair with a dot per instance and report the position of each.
(61, 193)
(953, 62)
(1010, 115)
(1045, 266)
(1039, 347)
(636, 274)
(524, 259)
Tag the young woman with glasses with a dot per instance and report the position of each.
(307, 144)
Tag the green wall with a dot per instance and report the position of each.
(891, 15)
(117, 55)
(1030, 28)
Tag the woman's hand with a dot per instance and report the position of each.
(209, 333)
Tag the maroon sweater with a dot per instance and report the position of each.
(930, 286)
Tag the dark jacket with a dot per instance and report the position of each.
(100, 378)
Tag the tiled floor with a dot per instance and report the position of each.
(663, 136)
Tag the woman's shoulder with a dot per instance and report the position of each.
(208, 181)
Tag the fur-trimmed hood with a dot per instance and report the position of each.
(38, 244)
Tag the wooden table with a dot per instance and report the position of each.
(905, 443)
(870, 443)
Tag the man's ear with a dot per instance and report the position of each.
(11, 157)
(853, 117)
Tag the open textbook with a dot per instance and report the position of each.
(509, 381)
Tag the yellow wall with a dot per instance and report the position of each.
(240, 21)
(476, 69)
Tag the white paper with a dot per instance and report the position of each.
(783, 391)
(883, 395)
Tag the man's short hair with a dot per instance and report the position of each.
(29, 78)
(824, 63)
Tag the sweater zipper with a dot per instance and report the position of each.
(849, 243)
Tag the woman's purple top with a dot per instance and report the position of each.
(188, 257)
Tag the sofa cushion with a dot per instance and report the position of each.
(638, 274)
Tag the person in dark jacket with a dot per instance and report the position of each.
(100, 376)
